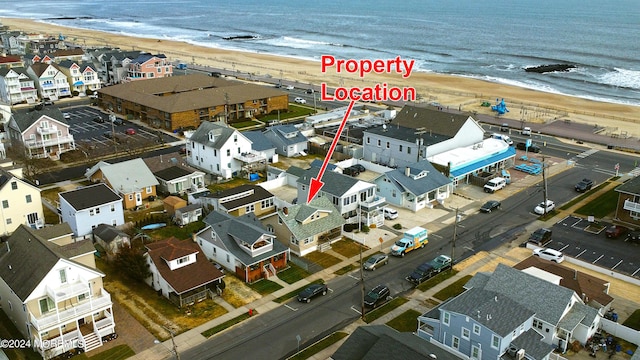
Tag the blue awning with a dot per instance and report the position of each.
(511, 152)
(78, 83)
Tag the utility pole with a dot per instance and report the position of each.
(544, 183)
(173, 341)
(455, 234)
(362, 286)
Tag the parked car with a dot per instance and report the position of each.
(376, 296)
(490, 205)
(130, 131)
(390, 213)
(549, 254)
(351, 171)
(360, 168)
(48, 103)
(375, 261)
(584, 185)
(216, 74)
(118, 121)
(98, 119)
(615, 231)
(312, 291)
(533, 148)
(310, 91)
(541, 209)
(107, 134)
(300, 100)
(633, 236)
(504, 127)
(289, 87)
(541, 236)
(526, 131)
(67, 116)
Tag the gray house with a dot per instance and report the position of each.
(510, 311)
(414, 187)
(287, 139)
(261, 144)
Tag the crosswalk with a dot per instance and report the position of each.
(587, 153)
(635, 172)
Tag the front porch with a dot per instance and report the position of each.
(196, 295)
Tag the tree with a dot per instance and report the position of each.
(133, 263)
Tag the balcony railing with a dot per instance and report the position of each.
(42, 143)
(48, 130)
(631, 206)
(87, 307)
(250, 157)
(68, 291)
(376, 203)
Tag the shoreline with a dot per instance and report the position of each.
(465, 93)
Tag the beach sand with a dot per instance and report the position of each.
(453, 91)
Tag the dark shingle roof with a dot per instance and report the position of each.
(259, 142)
(416, 184)
(334, 183)
(90, 196)
(26, 118)
(533, 345)
(108, 233)
(257, 193)
(285, 134)
(173, 172)
(630, 187)
(407, 134)
(434, 121)
(220, 134)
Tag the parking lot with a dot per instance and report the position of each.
(578, 238)
(95, 134)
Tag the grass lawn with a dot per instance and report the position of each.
(405, 322)
(119, 352)
(584, 196)
(347, 247)
(324, 260)
(345, 270)
(233, 183)
(295, 292)
(245, 124)
(319, 346)
(633, 321)
(601, 206)
(452, 290)
(227, 324)
(294, 111)
(181, 233)
(265, 287)
(50, 217)
(436, 280)
(293, 274)
(372, 315)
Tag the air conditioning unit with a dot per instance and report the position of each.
(520, 354)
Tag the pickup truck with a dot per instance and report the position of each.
(413, 239)
(584, 185)
(429, 269)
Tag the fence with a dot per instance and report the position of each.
(621, 331)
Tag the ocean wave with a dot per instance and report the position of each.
(622, 78)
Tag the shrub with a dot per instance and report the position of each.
(397, 226)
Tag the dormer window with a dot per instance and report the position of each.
(183, 260)
(211, 136)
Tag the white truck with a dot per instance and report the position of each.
(495, 184)
(415, 238)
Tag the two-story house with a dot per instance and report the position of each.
(51, 290)
(41, 133)
(131, 179)
(87, 207)
(112, 65)
(81, 76)
(503, 312)
(305, 228)
(181, 272)
(20, 202)
(356, 200)
(148, 66)
(262, 145)
(244, 199)
(242, 244)
(287, 139)
(174, 175)
(50, 81)
(16, 86)
(628, 206)
(414, 187)
(417, 133)
(221, 150)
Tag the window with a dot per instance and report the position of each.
(495, 341)
(368, 140)
(378, 142)
(408, 150)
(239, 150)
(130, 197)
(388, 145)
(465, 333)
(266, 203)
(149, 189)
(228, 152)
(455, 342)
(5, 204)
(537, 324)
(228, 165)
(235, 139)
(183, 259)
(113, 207)
(14, 185)
(46, 305)
(476, 329)
(82, 297)
(97, 210)
(63, 276)
(250, 208)
(400, 148)
(91, 212)
(28, 198)
(445, 318)
(9, 221)
(293, 240)
(475, 352)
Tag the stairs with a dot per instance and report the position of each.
(91, 341)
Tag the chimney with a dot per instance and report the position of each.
(193, 236)
(285, 211)
(407, 171)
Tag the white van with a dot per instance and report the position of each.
(504, 138)
(390, 213)
(495, 184)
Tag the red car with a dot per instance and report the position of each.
(615, 231)
(130, 131)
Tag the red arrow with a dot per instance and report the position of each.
(316, 183)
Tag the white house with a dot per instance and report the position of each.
(50, 81)
(16, 86)
(20, 202)
(51, 290)
(221, 150)
(87, 207)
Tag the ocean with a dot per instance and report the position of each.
(492, 41)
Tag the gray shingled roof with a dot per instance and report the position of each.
(259, 194)
(259, 142)
(630, 187)
(220, 132)
(335, 183)
(432, 120)
(171, 173)
(246, 228)
(525, 289)
(534, 347)
(407, 134)
(90, 196)
(108, 233)
(25, 118)
(318, 226)
(129, 176)
(280, 132)
(491, 309)
(432, 181)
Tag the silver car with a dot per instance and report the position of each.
(375, 261)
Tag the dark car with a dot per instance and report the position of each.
(421, 273)
(615, 231)
(376, 296)
(533, 148)
(540, 237)
(490, 205)
(633, 236)
(360, 168)
(313, 290)
(309, 91)
(216, 74)
(504, 127)
(351, 171)
(118, 121)
(584, 185)
(107, 134)
(98, 119)
(375, 261)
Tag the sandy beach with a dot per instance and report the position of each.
(453, 91)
